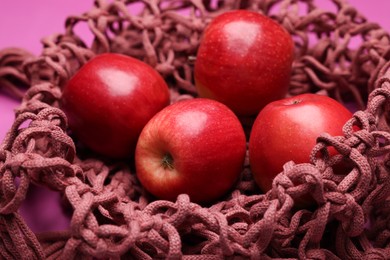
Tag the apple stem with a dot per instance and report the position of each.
(167, 161)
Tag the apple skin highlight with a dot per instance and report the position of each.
(287, 130)
(244, 61)
(196, 147)
(110, 99)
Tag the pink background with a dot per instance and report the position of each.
(23, 23)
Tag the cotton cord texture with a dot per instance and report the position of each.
(338, 53)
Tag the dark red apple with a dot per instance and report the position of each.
(287, 129)
(244, 61)
(110, 99)
(195, 147)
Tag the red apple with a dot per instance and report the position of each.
(244, 61)
(287, 129)
(110, 99)
(195, 147)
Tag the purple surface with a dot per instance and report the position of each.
(24, 23)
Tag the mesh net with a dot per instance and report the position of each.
(338, 53)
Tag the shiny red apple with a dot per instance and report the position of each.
(196, 147)
(110, 99)
(244, 61)
(287, 129)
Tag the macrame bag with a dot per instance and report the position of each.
(338, 53)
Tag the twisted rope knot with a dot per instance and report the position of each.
(38, 97)
(61, 148)
(375, 254)
(350, 214)
(12, 76)
(158, 237)
(325, 140)
(299, 80)
(319, 254)
(91, 238)
(150, 22)
(165, 68)
(96, 13)
(12, 193)
(90, 234)
(15, 164)
(52, 118)
(124, 184)
(299, 182)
